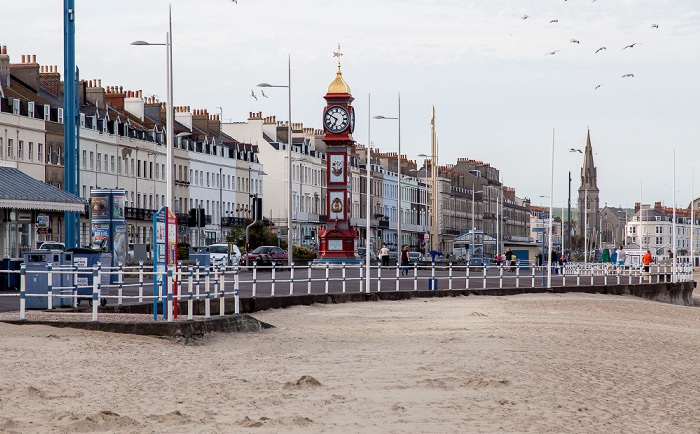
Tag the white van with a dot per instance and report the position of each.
(224, 254)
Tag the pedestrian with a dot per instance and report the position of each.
(620, 259)
(646, 260)
(499, 259)
(404, 260)
(384, 255)
(509, 259)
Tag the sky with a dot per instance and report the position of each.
(498, 96)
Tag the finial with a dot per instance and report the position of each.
(338, 54)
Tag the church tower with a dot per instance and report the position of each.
(588, 205)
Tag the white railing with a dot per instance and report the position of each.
(67, 285)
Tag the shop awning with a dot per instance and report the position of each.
(20, 191)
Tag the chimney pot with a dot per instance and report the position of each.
(33, 58)
(22, 58)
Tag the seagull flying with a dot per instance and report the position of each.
(628, 75)
(551, 53)
(596, 88)
(632, 45)
(600, 49)
(263, 93)
(253, 94)
(575, 150)
(575, 41)
(525, 17)
(654, 26)
(553, 21)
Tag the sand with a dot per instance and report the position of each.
(529, 363)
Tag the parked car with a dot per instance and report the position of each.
(361, 251)
(414, 256)
(224, 254)
(52, 245)
(264, 255)
(393, 256)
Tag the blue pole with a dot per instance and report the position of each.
(69, 115)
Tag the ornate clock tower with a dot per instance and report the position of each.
(337, 239)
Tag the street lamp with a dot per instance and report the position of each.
(290, 246)
(398, 161)
(169, 108)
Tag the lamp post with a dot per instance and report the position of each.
(369, 204)
(399, 243)
(169, 109)
(290, 247)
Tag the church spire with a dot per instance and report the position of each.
(588, 171)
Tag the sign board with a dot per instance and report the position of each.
(42, 231)
(42, 221)
(539, 230)
(426, 237)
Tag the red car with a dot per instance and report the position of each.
(264, 255)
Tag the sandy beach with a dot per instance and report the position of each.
(530, 363)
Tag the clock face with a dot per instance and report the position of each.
(352, 121)
(336, 119)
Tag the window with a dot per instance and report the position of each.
(132, 167)
(0, 147)
(15, 106)
(99, 162)
(20, 150)
(119, 165)
(138, 169)
(30, 109)
(60, 121)
(190, 173)
(30, 151)
(162, 170)
(84, 191)
(207, 183)
(47, 112)
(150, 170)
(111, 163)
(58, 155)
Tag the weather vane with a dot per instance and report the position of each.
(338, 54)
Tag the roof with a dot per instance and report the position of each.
(21, 191)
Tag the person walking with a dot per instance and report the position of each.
(405, 262)
(646, 260)
(620, 260)
(509, 259)
(384, 255)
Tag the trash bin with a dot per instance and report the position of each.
(37, 279)
(13, 277)
(84, 260)
(200, 254)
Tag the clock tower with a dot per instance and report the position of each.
(337, 239)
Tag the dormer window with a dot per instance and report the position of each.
(15, 106)
(82, 120)
(30, 109)
(60, 115)
(47, 112)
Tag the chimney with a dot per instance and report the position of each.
(50, 80)
(184, 116)
(4, 66)
(200, 119)
(133, 103)
(27, 72)
(96, 94)
(115, 97)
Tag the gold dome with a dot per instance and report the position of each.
(339, 85)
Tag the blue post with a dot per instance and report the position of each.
(69, 115)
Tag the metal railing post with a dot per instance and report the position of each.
(432, 285)
(255, 278)
(379, 277)
(466, 279)
(236, 293)
(327, 271)
(190, 295)
(398, 269)
(343, 277)
(95, 291)
(450, 278)
(272, 286)
(308, 282)
(485, 270)
(22, 292)
(140, 281)
(49, 294)
(120, 277)
(197, 278)
(222, 298)
(500, 276)
(517, 275)
(415, 276)
(291, 279)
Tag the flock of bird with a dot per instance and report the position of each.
(252, 93)
(576, 41)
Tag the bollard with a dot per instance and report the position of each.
(327, 277)
(272, 288)
(196, 279)
(398, 268)
(591, 275)
(485, 271)
(578, 276)
(450, 277)
(291, 280)
(222, 298)
(49, 295)
(22, 292)
(190, 295)
(207, 283)
(618, 277)
(308, 282)
(236, 293)
(255, 278)
(95, 291)
(415, 276)
(216, 281)
(605, 276)
(466, 279)
(500, 276)
(140, 281)
(563, 277)
(120, 276)
(343, 277)
(379, 277)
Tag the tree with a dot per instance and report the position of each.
(258, 235)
